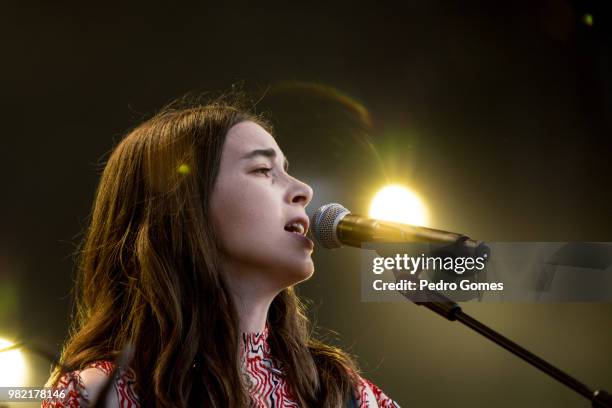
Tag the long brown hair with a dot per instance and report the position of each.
(148, 276)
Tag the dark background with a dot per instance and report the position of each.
(496, 113)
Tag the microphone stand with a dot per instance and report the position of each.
(336, 226)
(451, 311)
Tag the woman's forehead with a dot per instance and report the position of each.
(245, 137)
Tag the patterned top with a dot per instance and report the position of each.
(263, 376)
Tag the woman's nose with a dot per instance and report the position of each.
(302, 193)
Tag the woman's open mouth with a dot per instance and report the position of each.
(298, 228)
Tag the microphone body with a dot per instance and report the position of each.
(334, 226)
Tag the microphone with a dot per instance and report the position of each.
(333, 226)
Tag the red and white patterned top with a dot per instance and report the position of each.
(264, 377)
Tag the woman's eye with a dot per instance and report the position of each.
(263, 170)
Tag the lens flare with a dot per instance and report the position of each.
(399, 204)
(183, 169)
(12, 366)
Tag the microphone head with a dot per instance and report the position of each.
(324, 223)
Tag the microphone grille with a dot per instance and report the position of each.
(324, 222)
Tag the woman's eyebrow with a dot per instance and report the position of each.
(269, 153)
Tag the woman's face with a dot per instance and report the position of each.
(253, 202)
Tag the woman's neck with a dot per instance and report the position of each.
(252, 296)
(252, 311)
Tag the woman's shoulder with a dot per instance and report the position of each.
(81, 388)
(368, 394)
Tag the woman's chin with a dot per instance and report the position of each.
(307, 273)
(300, 272)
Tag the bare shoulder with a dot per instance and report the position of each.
(84, 387)
(94, 380)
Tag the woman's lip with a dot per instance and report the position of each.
(306, 241)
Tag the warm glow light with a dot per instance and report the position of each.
(398, 204)
(12, 366)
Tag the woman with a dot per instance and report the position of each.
(196, 239)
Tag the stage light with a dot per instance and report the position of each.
(399, 204)
(588, 19)
(12, 366)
